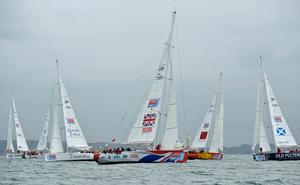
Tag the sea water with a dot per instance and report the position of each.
(233, 169)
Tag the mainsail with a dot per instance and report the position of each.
(43, 142)
(201, 138)
(21, 142)
(281, 132)
(144, 130)
(9, 145)
(74, 135)
(217, 138)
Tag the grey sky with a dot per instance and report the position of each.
(104, 47)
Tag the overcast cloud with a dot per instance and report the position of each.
(105, 46)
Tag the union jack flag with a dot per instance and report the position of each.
(149, 120)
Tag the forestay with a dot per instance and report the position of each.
(21, 142)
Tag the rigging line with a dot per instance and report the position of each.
(185, 123)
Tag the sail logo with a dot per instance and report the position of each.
(70, 121)
(149, 120)
(277, 119)
(281, 131)
(203, 135)
(206, 125)
(153, 103)
(17, 125)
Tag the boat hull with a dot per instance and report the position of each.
(143, 156)
(13, 156)
(69, 157)
(276, 156)
(205, 155)
(22, 156)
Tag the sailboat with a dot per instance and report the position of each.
(15, 124)
(159, 108)
(43, 142)
(210, 129)
(285, 143)
(77, 147)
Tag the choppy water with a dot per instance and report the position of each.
(234, 169)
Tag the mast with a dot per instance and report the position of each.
(281, 132)
(9, 145)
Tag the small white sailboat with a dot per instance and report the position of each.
(77, 147)
(43, 142)
(159, 108)
(283, 137)
(14, 122)
(210, 129)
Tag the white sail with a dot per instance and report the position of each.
(257, 120)
(282, 134)
(55, 142)
(263, 139)
(170, 139)
(43, 142)
(145, 128)
(9, 145)
(217, 138)
(260, 138)
(21, 141)
(74, 135)
(201, 138)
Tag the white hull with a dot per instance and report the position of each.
(14, 156)
(69, 157)
(21, 156)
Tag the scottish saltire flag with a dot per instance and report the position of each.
(153, 103)
(281, 131)
(149, 120)
(70, 120)
(277, 119)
